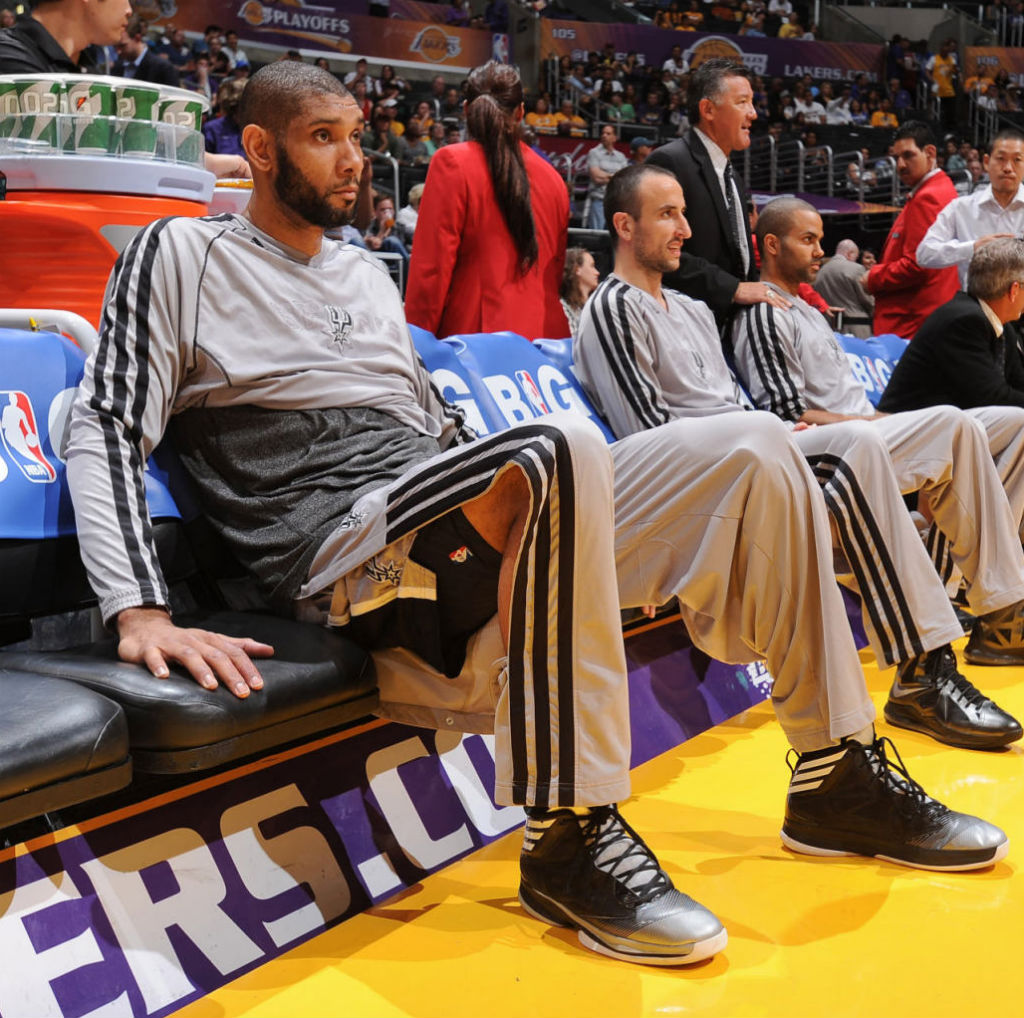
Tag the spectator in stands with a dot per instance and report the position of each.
(803, 102)
(837, 109)
(954, 160)
(436, 96)
(220, 63)
(568, 121)
(203, 45)
(791, 29)
(7, 18)
(452, 133)
(579, 281)
(942, 70)
(423, 115)
(173, 46)
(627, 111)
(906, 292)
(414, 147)
(960, 356)
(389, 79)
(646, 355)
(753, 25)
(603, 161)
(675, 115)
(640, 148)
(970, 221)
(840, 282)
(136, 60)
(435, 138)
(676, 63)
(451, 105)
(541, 119)
(494, 223)
(234, 50)
(578, 80)
(651, 113)
(380, 235)
(884, 116)
(223, 133)
(988, 97)
(361, 73)
(408, 215)
(358, 90)
(201, 80)
(857, 114)
(718, 265)
(380, 137)
(693, 17)
(977, 170)
(900, 98)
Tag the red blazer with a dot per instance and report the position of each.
(905, 293)
(463, 276)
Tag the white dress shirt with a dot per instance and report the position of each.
(950, 239)
(718, 161)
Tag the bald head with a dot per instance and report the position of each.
(847, 249)
(277, 94)
(778, 215)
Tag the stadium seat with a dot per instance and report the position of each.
(59, 745)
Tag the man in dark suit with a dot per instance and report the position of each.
(718, 265)
(960, 355)
(136, 60)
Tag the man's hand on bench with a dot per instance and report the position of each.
(149, 637)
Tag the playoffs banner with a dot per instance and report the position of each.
(784, 58)
(294, 24)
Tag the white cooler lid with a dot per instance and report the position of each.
(122, 175)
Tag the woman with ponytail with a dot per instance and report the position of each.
(490, 240)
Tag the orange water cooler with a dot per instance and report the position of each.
(88, 161)
(66, 219)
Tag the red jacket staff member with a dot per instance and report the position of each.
(490, 240)
(905, 292)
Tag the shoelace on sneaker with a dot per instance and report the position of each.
(911, 800)
(950, 681)
(621, 853)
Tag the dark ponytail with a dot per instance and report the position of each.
(493, 94)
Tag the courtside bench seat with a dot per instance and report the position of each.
(316, 681)
(59, 745)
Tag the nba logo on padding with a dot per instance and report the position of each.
(21, 437)
(531, 392)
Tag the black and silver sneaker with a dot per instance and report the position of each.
(595, 874)
(998, 638)
(853, 800)
(937, 700)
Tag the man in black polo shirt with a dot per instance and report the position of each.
(53, 36)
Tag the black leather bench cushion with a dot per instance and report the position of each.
(313, 674)
(52, 731)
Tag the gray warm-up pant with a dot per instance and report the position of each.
(723, 513)
(943, 454)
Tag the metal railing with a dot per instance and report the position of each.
(1008, 26)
